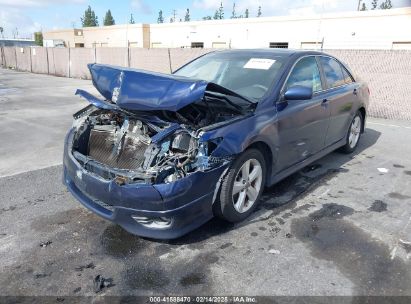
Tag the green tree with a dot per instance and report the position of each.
(38, 38)
(374, 4)
(247, 13)
(1, 31)
(259, 12)
(89, 18)
(221, 11)
(108, 19)
(216, 15)
(233, 13)
(160, 18)
(207, 18)
(386, 4)
(363, 7)
(131, 19)
(187, 16)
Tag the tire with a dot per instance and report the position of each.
(353, 134)
(238, 195)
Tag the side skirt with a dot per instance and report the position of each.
(287, 172)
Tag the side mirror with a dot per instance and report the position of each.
(298, 93)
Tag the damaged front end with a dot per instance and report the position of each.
(128, 149)
(148, 130)
(139, 158)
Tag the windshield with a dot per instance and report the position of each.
(248, 75)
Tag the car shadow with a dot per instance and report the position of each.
(284, 194)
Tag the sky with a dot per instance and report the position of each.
(23, 17)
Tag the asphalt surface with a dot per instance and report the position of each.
(337, 227)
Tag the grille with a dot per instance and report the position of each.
(104, 205)
(103, 148)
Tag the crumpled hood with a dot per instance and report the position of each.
(139, 90)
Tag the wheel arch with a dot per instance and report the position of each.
(265, 150)
(363, 113)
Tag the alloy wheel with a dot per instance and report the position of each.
(354, 132)
(247, 185)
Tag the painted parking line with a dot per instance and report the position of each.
(387, 125)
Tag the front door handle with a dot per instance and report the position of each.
(355, 92)
(324, 103)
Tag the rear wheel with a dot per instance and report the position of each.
(354, 134)
(242, 187)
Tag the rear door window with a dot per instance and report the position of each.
(305, 73)
(333, 72)
(347, 77)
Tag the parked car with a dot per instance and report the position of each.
(162, 154)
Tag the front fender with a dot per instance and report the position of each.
(238, 136)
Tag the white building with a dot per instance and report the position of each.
(373, 29)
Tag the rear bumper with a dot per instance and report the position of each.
(187, 203)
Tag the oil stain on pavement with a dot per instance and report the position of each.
(357, 255)
(145, 270)
(378, 206)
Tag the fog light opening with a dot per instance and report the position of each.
(153, 222)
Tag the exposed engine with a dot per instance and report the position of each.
(114, 144)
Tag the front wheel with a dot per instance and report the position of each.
(354, 134)
(242, 187)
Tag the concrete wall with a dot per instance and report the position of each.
(39, 60)
(388, 73)
(23, 57)
(9, 58)
(79, 58)
(114, 56)
(61, 61)
(156, 60)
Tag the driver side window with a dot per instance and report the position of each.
(305, 73)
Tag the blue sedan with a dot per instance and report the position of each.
(162, 154)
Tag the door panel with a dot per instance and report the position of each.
(342, 96)
(341, 103)
(302, 124)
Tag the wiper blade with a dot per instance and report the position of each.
(215, 88)
(218, 97)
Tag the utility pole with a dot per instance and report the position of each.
(174, 15)
(359, 4)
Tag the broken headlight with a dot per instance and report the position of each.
(196, 157)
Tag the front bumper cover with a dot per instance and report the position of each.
(187, 201)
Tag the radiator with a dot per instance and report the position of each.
(103, 147)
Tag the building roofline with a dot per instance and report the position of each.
(404, 11)
(349, 14)
(95, 28)
(17, 39)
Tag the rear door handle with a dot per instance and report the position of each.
(325, 100)
(324, 103)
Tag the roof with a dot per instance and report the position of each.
(270, 51)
